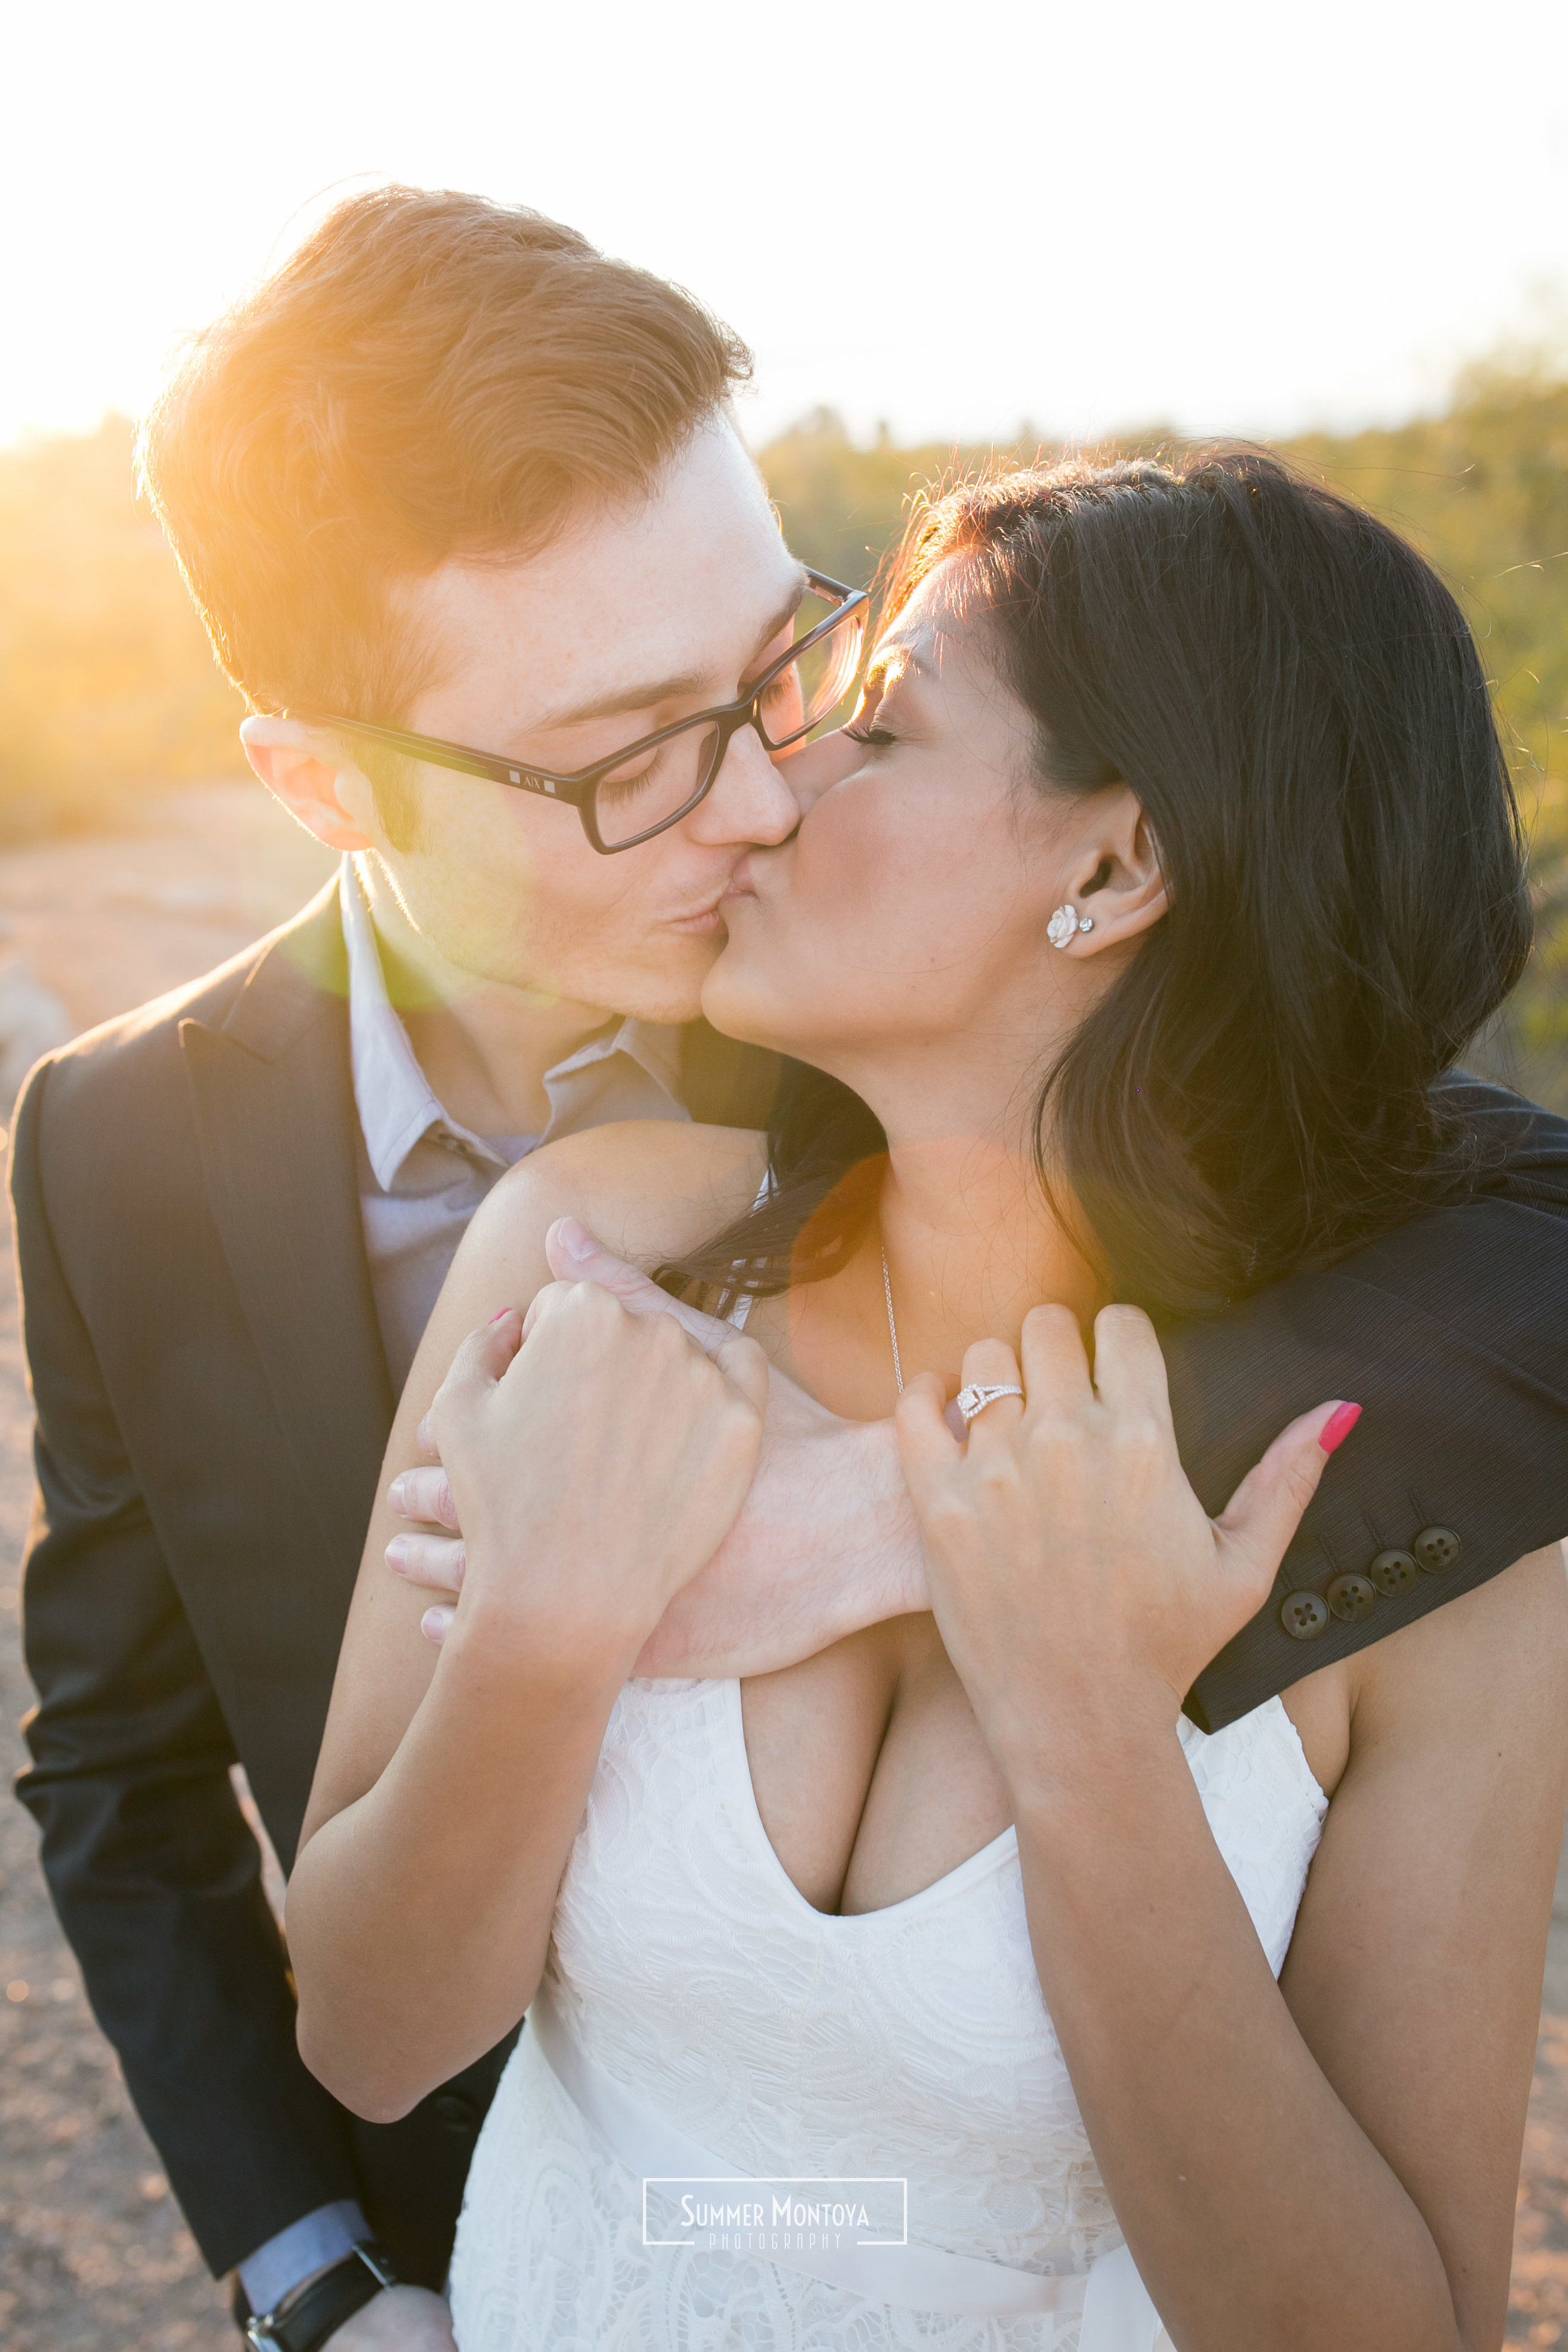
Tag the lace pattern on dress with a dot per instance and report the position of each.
(911, 2040)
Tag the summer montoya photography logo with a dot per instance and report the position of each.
(786, 2213)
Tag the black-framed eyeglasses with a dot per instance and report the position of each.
(655, 782)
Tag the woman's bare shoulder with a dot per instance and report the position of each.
(1495, 1657)
(648, 1189)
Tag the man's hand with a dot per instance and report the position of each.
(401, 2319)
(825, 1541)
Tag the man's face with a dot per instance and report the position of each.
(625, 625)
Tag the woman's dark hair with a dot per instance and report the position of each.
(1297, 702)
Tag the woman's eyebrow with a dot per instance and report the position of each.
(893, 662)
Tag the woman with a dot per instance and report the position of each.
(1168, 859)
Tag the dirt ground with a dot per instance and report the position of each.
(93, 2254)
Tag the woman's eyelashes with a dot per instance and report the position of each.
(874, 737)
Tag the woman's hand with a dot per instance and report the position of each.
(596, 1461)
(1071, 1566)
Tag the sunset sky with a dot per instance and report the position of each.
(1228, 217)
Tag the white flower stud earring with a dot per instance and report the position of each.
(1065, 926)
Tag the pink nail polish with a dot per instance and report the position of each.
(501, 1317)
(1338, 1427)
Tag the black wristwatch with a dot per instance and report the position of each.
(308, 2314)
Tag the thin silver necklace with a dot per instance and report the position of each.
(892, 1324)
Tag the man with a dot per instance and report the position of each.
(452, 472)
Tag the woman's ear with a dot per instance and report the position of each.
(296, 766)
(1119, 886)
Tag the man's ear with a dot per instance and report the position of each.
(296, 765)
(1120, 885)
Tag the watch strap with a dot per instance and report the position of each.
(310, 2315)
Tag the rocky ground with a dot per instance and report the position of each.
(93, 2254)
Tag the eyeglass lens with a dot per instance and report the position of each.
(656, 785)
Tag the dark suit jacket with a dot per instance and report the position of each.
(213, 1403)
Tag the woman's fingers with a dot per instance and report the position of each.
(989, 1364)
(925, 1440)
(1055, 1361)
(1254, 1531)
(481, 1360)
(575, 1256)
(1130, 1372)
(745, 1368)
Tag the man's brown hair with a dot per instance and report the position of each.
(429, 375)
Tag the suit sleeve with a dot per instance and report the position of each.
(154, 1875)
(1452, 1334)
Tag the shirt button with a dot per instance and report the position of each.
(458, 2114)
(1392, 1571)
(1437, 1548)
(1303, 1616)
(1351, 1598)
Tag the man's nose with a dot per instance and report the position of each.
(750, 800)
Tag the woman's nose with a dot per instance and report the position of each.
(811, 769)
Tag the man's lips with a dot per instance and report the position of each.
(702, 920)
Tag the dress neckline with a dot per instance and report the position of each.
(986, 1858)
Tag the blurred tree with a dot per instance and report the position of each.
(107, 685)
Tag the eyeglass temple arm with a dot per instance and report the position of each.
(453, 755)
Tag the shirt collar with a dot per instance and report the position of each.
(397, 1106)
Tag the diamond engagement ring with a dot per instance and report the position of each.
(976, 1397)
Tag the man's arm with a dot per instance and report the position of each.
(1451, 1332)
(153, 1870)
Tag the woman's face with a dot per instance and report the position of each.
(906, 917)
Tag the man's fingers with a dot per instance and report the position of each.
(425, 1496)
(436, 1623)
(575, 1256)
(435, 1562)
(1257, 1523)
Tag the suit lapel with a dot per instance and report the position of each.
(275, 1114)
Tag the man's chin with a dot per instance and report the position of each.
(669, 989)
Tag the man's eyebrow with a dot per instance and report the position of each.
(664, 690)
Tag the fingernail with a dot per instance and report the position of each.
(397, 1552)
(501, 1317)
(1338, 1427)
(395, 1496)
(436, 1623)
(574, 1239)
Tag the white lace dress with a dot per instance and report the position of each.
(911, 2041)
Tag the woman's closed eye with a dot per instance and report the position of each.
(873, 737)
